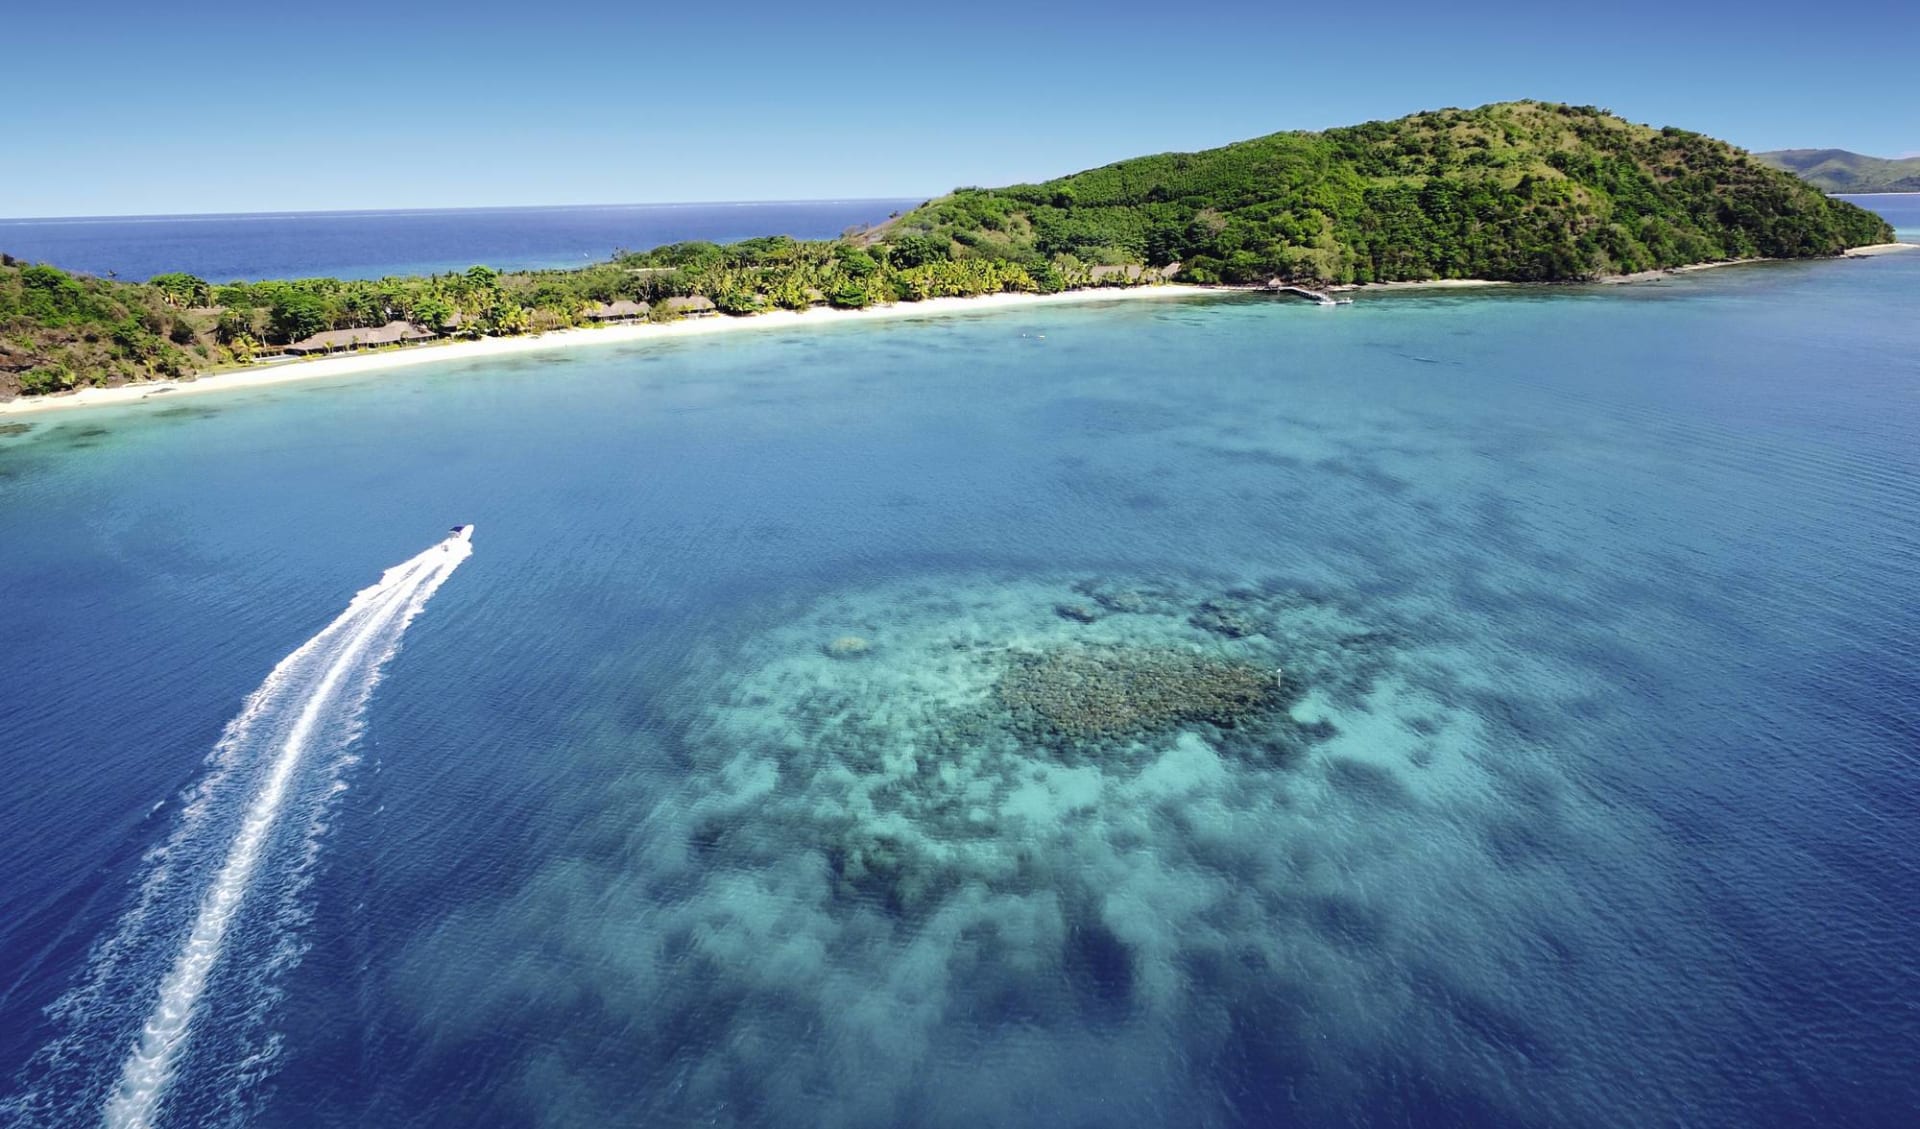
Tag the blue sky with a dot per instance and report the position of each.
(125, 108)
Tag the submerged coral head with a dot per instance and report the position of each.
(847, 647)
(1110, 691)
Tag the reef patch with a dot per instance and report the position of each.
(1077, 692)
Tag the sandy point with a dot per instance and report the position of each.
(1880, 249)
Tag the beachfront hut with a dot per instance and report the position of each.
(697, 306)
(618, 311)
(340, 340)
(1131, 272)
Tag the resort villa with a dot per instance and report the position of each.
(618, 312)
(340, 340)
(696, 306)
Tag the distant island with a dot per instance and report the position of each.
(1836, 170)
(1515, 191)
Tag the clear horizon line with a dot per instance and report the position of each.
(136, 217)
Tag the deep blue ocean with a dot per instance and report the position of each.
(1901, 209)
(1490, 709)
(224, 248)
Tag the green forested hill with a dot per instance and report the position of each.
(1836, 170)
(1519, 190)
(1515, 190)
(59, 330)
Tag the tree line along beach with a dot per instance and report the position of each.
(1511, 192)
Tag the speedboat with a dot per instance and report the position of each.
(461, 533)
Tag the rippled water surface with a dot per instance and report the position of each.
(1491, 709)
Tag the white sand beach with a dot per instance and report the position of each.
(1880, 249)
(1423, 284)
(1667, 272)
(286, 371)
(282, 372)
(1637, 276)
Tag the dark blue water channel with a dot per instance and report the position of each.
(1489, 709)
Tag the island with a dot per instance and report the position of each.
(1516, 191)
(1837, 170)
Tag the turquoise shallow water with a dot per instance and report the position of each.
(1452, 709)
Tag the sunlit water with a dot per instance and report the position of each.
(1523, 726)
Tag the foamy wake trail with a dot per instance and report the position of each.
(283, 749)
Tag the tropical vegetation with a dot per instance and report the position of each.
(1525, 191)
(59, 330)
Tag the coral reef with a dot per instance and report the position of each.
(1079, 613)
(1225, 617)
(1080, 841)
(1081, 692)
(983, 717)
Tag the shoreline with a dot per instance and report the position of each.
(1866, 252)
(289, 371)
(266, 374)
(1872, 249)
(1423, 284)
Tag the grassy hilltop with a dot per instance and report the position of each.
(1520, 190)
(1836, 170)
(1517, 190)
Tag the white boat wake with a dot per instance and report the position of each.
(284, 750)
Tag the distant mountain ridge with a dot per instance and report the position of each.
(1837, 170)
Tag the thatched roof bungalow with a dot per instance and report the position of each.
(337, 340)
(1131, 272)
(696, 306)
(618, 311)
